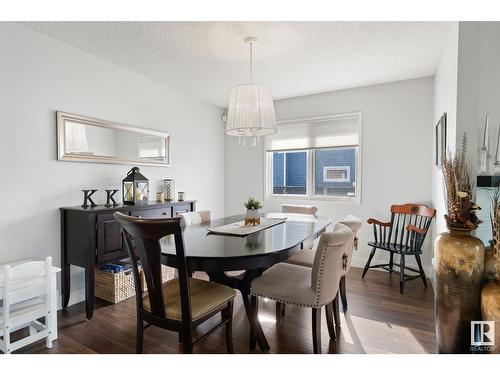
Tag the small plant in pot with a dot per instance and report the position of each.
(252, 216)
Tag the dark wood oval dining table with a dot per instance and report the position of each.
(217, 254)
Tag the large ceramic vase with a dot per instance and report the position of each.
(490, 295)
(459, 276)
(490, 311)
(490, 271)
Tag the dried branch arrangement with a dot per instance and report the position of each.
(458, 189)
(495, 228)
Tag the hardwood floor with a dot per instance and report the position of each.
(379, 320)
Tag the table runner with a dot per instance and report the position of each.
(240, 229)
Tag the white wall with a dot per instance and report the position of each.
(467, 86)
(468, 119)
(395, 152)
(39, 76)
(445, 100)
(479, 93)
(489, 76)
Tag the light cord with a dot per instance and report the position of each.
(251, 62)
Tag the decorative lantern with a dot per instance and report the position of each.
(135, 187)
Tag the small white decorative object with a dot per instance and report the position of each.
(496, 164)
(484, 155)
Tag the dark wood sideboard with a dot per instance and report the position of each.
(91, 237)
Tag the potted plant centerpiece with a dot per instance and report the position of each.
(252, 216)
(459, 258)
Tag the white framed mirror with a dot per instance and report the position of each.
(86, 139)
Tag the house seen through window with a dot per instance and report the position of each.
(329, 170)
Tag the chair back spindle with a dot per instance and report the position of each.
(418, 216)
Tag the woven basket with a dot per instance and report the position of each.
(116, 287)
(167, 273)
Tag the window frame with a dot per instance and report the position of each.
(310, 182)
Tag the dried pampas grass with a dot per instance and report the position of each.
(458, 189)
(495, 229)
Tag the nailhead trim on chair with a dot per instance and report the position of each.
(317, 304)
(320, 273)
(282, 300)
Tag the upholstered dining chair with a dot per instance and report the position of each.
(196, 217)
(180, 304)
(299, 209)
(315, 287)
(305, 257)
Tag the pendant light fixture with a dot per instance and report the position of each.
(250, 112)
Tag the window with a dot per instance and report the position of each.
(337, 174)
(315, 158)
(290, 172)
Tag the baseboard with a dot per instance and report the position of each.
(76, 296)
(360, 263)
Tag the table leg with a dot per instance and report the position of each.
(243, 285)
(65, 268)
(65, 283)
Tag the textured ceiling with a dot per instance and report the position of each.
(205, 59)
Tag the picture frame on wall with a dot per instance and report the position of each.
(441, 140)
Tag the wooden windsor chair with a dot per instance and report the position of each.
(403, 235)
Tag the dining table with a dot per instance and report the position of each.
(252, 254)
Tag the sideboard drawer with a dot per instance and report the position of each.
(180, 209)
(155, 213)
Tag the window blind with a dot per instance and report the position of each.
(152, 148)
(337, 132)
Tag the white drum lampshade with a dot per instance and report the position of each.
(251, 111)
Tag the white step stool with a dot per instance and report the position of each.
(28, 292)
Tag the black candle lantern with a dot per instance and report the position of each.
(135, 187)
